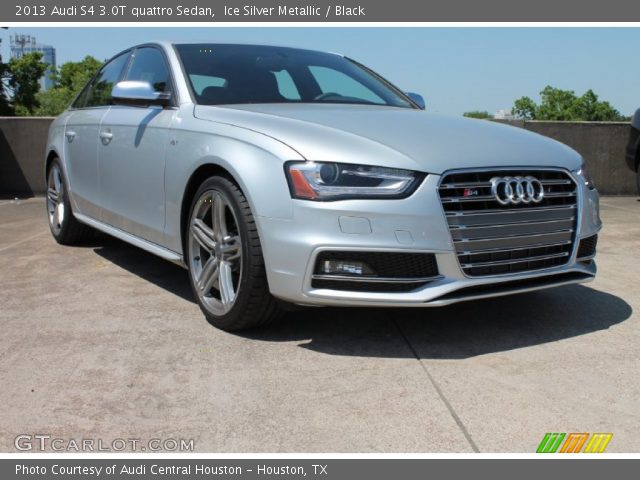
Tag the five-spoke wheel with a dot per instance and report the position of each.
(64, 226)
(225, 260)
(215, 251)
(55, 198)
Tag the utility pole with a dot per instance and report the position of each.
(21, 40)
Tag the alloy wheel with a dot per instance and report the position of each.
(215, 251)
(55, 199)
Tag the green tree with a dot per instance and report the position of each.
(24, 81)
(482, 114)
(75, 75)
(69, 80)
(588, 106)
(53, 102)
(556, 104)
(525, 108)
(565, 105)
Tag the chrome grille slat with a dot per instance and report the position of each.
(503, 250)
(469, 213)
(488, 198)
(449, 186)
(477, 198)
(519, 235)
(528, 259)
(512, 242)
(556, 182)
(509, 224)
(489, 232)
(560, 194)
(492, 239)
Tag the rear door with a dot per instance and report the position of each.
(131, 154)
(82, 139)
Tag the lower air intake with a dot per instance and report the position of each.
(374, 271)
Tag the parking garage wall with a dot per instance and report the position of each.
(602, 144)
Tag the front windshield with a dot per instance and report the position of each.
(236, 74)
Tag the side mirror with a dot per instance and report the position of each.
(417, 99)
(138, 94)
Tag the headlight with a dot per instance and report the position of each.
(588, 179)
(323, 181)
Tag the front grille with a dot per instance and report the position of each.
(393, 271)
(587, 247)
(494, 239)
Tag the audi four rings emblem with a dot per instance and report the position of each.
(515, 190)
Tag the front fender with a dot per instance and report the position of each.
(255, 162)
(56, 148)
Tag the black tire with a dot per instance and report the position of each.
(638, 178)
(65, 228)
(254, 306)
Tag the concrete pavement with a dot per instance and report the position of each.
(104, 341)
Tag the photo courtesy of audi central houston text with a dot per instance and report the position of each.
(282, 177)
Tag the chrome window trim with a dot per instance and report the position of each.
(175, 96)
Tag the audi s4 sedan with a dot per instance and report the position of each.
(280, 176)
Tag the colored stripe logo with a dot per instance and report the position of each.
(574, 443)
(598, 442)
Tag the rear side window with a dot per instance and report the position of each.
(148, 65)
(333, 81)
(286, 85)
(201, 82)
(98, 93)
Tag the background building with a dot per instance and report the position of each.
(23, 44)
(504, 114)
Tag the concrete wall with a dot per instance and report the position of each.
(23, 144)
(602, 145)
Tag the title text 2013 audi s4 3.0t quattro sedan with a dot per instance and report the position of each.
(283, 176)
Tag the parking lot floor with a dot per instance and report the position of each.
(104, 341)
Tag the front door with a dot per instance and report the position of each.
(131, 154)
(82, 133)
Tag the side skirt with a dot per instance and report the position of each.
(133, 240)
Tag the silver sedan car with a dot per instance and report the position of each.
(280, 176)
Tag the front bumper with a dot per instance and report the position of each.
(415, 224)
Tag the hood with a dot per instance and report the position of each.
(394, 137)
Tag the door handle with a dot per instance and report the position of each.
(106, 137)
(70, 135)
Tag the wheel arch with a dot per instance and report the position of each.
(53, 154)
(198, 176)
(256, 167)
(47, 164)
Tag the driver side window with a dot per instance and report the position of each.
(98, 94)
(148, 65)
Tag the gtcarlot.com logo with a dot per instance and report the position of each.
(49, 443)
(574, 443)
